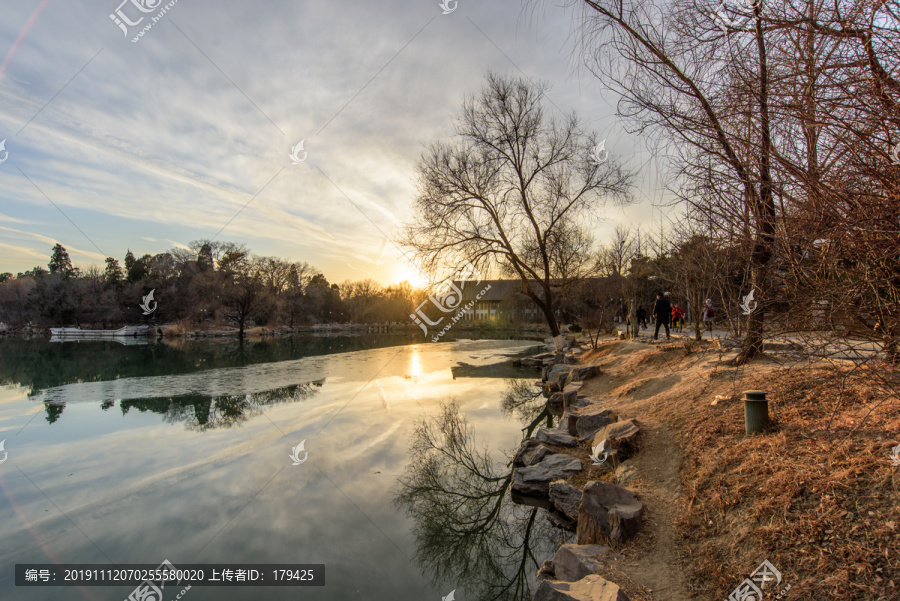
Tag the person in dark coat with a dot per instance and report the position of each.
(662, 311)
(642, 317)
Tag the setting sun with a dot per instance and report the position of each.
(406, 272)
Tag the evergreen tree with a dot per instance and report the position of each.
(129, 260)
(60, 262)
(139, 269)
(113, 274)
(205, 258)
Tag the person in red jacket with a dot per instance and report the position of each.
(677, 318)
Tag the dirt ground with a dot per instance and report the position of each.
(719, 503)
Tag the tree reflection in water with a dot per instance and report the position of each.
(469, 534)
(200, 412)
(527, 405)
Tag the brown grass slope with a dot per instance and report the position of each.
(820, 502)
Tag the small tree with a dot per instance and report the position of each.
(244, 297)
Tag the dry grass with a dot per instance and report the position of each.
(817, 494)
(174, 331)
(822, 505)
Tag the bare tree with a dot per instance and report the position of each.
(512, 187)
(243, 297)
(660, 66)
(615, 258)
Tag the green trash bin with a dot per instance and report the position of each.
(756, 411)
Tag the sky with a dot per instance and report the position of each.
(189, 131)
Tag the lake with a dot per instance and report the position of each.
(183, 452)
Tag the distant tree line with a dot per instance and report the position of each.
(212, 281)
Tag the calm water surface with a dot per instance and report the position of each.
(136, 454)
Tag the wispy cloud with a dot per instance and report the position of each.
(169, 139)
(72, 250)
(23, 252)
(9, 219)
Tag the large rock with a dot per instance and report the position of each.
(535, 480)
(570, 393)
(560, 375)
(556, 436)
(623, 436)
(589, 588)
(558, 369)
(546, 571)
(565, 500)
(585, 372)
(568, 421)
(581, 400)
(529, 362)
(592, 418)
(574, 562)
(530, 452)
(608, 514)
(557, 400)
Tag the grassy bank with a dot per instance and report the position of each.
(817, 495)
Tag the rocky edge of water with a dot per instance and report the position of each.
(603, 515)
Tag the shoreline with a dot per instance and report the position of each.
(692, 505)
(194, 332)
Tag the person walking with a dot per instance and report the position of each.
(708, 315)
(662, 311)
(642, 317)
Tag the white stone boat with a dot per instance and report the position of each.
(79, 334)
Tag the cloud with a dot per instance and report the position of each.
(190, 129)
(14, 219)
(73, 251)
(179, 245)
(24, 252)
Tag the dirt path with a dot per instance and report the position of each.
(649, 567)
(651, 561)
